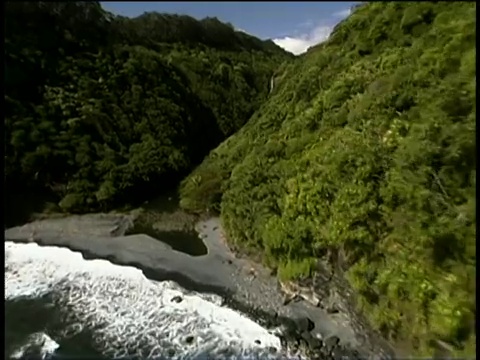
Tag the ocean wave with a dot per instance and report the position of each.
(38, 345)
(130, 315)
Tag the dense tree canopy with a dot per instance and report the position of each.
(366, 149)
(105, 109)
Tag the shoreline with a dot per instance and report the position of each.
(220, 272)
(345, 322)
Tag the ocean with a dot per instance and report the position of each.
(61, 306)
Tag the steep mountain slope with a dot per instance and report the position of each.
(104, 109)
(366, 151)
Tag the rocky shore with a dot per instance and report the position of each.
(331, 330)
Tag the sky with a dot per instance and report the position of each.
(295, 26)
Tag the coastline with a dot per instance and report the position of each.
(332, 290)
(257, 293)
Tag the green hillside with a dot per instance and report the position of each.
(104, 110)
(366, 150)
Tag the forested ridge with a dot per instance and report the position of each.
(102, 109)
(365, 153)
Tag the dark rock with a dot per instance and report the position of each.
(215, 228)
(305, 324)
(315, 343)
(291, 335)
(283, 341)
(306, 336)
(338, 353)
(189, 339)
(230, 262)
(332, 309)
(303, 345)
(266, 323)
(258, 342)
(171, 352)
(272, 350)
(287, 300)
(289, 323)
(331, 342)
(324, 351)
(350, 354)
(290, 329)
(177, 299)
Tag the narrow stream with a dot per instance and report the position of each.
(163, 220)
(187, 242)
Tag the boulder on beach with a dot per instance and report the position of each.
(305, 324)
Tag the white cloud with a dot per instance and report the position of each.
(299, 44)
(343, 13)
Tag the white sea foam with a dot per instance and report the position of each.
(130, 314)
(39, 343)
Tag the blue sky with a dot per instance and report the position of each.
(295, 26)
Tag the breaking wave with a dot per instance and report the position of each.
(129, 315)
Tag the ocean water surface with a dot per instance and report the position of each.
(61, 306)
